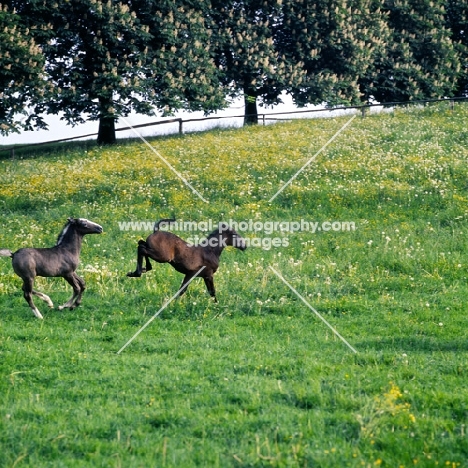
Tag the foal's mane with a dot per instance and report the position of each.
(218, 232)
(63, 233)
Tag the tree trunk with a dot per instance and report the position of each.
(106, 132)
(251, 113)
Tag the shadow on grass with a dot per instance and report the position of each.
(416, 344)
(37, 150)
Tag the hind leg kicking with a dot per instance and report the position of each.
(78, 286)
(27, 293)
(140, 255)
(148, 266)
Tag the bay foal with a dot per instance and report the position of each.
(165, 247)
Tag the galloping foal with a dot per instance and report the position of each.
(165, 247)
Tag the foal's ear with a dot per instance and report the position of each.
(71, 220)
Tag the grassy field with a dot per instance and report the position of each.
(256, 380)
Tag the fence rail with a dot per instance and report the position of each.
(273, 116)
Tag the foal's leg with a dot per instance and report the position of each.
(44, 297)
(148, 266)
(82, 285)
(27, 293)
(210, 286)
(78, 286)
(140, 255)
(182, 289)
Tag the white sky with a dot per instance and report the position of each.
(58, 129)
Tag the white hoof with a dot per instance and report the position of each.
(37, 313)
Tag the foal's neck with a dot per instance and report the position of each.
(219, 247)
(217, 250)
(71, 241)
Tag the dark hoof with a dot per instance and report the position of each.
(133, 274)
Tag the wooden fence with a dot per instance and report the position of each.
(263, 118)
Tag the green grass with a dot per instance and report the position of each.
(256, 380)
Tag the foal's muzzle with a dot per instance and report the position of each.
(96, 228)
(239, 243)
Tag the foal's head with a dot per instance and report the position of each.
(81, 226)
(84, 226)
(231, 237)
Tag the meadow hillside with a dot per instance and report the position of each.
(372, 234)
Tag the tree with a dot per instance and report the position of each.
(247, 53)
(181, 72)
(110, 58)
(336, 40)
(21, 73)
(419, 60)
(107, 58)
(94, 62)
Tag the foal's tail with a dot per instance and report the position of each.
(162, 221)
(6, 253)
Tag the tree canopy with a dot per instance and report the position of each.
(457, 23)
(102, 59)
(419, 59)
(21, 75)
(338, 41)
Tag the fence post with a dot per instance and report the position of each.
(12, 153)
(452, 105)
(263, 119)
(181, 130)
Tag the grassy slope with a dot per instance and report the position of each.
(256, 380)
